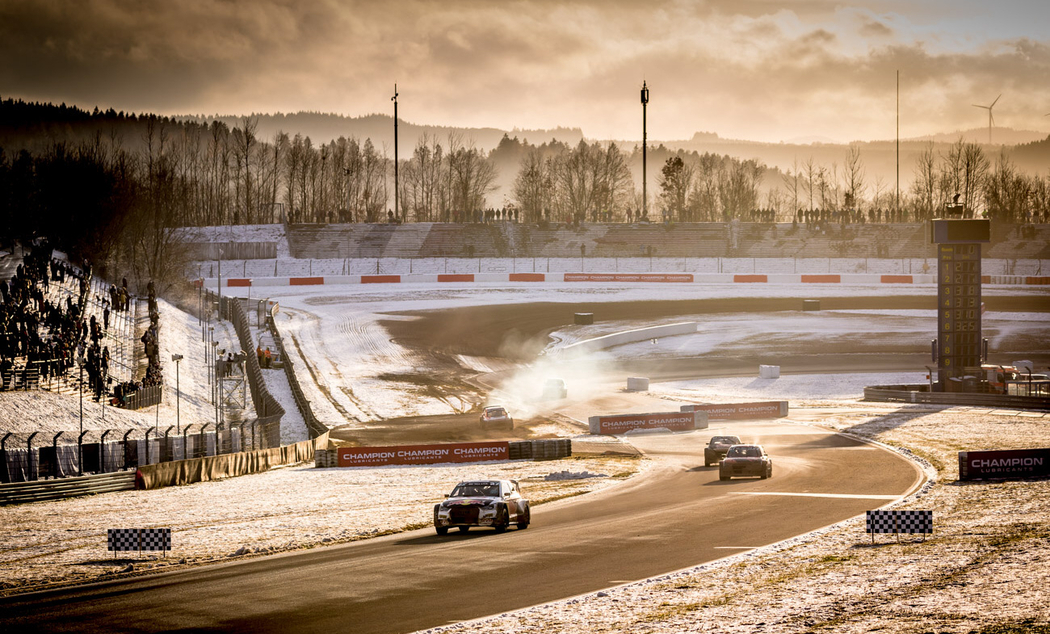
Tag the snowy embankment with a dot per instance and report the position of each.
(187, 392)
(187, 396)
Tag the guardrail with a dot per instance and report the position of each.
(43, 490)
(315, 427)
(921, 394)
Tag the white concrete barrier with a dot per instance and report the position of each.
(637, 384)
(769, 371)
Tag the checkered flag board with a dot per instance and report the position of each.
(121, 539)
(899, 522)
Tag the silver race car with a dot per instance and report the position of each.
(495, 503)
(496, 416)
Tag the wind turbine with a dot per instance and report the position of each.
(991, 120)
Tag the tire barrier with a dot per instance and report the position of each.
(897, 522)
(550, 449)
(138, 539)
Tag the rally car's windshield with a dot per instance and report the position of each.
(725, 440)
(476, 489)
(744, 451)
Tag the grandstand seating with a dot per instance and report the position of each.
(712, 239)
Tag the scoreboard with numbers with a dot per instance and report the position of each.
(958, 302)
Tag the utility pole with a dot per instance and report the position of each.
(897, 203)
(396, 182)
(645, 197)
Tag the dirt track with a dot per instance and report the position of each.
(518, 332)
(484, 331)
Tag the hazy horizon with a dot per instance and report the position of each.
(755, 70)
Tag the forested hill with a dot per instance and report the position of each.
(36, 126)
(325, 127)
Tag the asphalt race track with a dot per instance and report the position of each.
(675, 515)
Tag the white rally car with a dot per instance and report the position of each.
(495, 503)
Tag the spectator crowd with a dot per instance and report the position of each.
(42, 334)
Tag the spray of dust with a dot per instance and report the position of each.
(585, 374)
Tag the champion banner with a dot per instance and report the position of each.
(740, 411)
(673, 421)
(628, 277)
(423, 454)
(1003, 465)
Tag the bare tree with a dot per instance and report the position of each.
(532, 186)
(246, 141)
(791, 183)
(853, 173)
(924, 185)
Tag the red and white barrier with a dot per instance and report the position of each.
(642, 278)
(623, 423)
(864, 279)
(740, 411)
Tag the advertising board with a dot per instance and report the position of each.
(740, 411)
(628, 277)
(621, 424)
(423, 454)
(1004, 465)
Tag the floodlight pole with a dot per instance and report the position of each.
(178, 393)
(897, 198)
(80, 449)
(645, 198)
(396, 181)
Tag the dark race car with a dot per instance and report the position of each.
(495, 503)
(716, 449)
(745, 460)
(496, 416)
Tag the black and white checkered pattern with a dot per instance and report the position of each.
(899, 522)
(118, 539)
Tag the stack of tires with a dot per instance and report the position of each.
(551, 449)
(326, 458)
(521, 450)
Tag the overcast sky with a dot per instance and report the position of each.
(748, 69)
